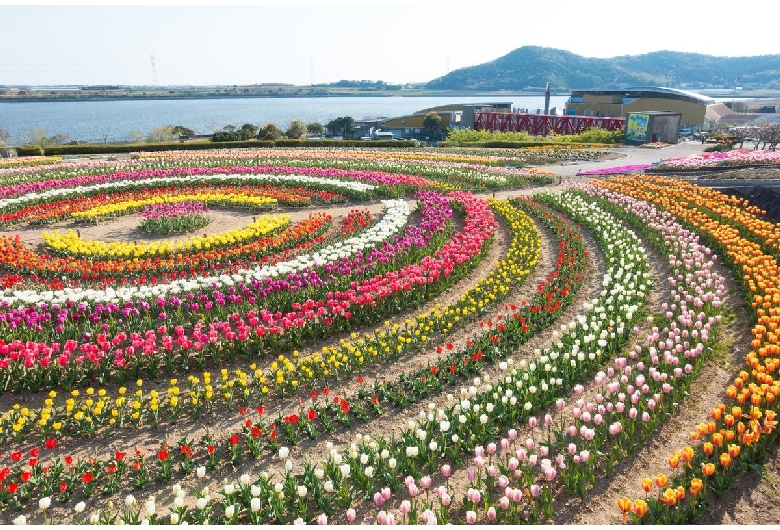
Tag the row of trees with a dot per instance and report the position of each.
(344, 126)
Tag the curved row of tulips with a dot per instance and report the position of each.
(83, 193)
(742, 430)
(82, 414)
(72, 244)
(729, 210)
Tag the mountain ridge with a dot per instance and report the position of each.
(535, 66)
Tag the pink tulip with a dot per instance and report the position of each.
(471, 517)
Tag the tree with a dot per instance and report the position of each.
(161, 134)
(343, 124)
(297, 129)
(247, 131)
(270, 132)
(431, 124)
(136, 136)
(36, 136)
(315, 128)
(58, 139)
(183, 132)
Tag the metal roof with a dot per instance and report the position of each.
(635, 92)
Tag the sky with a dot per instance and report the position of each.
(305, 43)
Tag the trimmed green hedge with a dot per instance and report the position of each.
(29, 150)
(96, 149)
(519, 145)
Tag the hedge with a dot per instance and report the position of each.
(94, 149)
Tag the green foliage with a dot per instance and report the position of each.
(94, 149)
(183, 132)
(270, 132)
(230, 133)
(717, 148)
(297, 129)
(432, 123)
(161, 134)
(178, 224)
(342, 125)
(594, 135)
(464, 136)
(29, 150)
(316, 128)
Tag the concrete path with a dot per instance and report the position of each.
(629, 155)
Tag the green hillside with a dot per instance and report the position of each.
(534, 66)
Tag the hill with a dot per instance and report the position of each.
(534, 66)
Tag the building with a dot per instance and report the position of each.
(453, 116)
(697, 112)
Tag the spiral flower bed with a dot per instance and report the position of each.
(214, 378)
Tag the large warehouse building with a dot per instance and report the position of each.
(697, 111)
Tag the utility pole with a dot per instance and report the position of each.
(154, 72)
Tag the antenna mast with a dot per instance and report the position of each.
(154, 72)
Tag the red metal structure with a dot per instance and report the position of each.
(543, 124)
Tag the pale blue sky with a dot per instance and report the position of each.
(397, 42)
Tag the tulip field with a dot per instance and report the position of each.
(378, 336)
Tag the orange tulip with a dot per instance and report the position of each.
(687, 453)
(647, 485)
(669, 497)
(708, 469)
(725, 460)
(717, 439)
(769, 421)
(674, 460)
(715, 413)
(625, 506)
(734, 450)
(728, 419)
(680, 491)
(640, 507)
(661, 480)
(696, 486)
(708, 448)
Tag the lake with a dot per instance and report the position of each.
(98, 121)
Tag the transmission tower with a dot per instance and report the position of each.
(154, 73)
